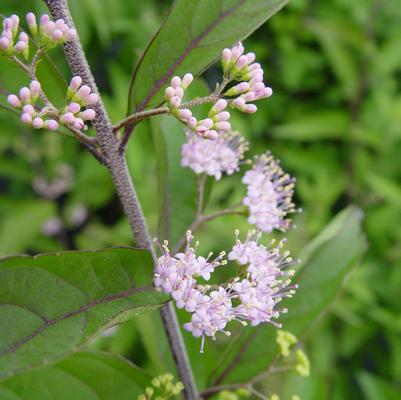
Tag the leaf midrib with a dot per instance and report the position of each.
(83, 309)
(192, 45)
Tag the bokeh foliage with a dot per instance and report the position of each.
(334, 121)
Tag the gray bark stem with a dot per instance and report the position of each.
(126, 191)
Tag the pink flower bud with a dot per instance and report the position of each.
(201, 130)
(176, 81)
(51, 124)
(222, 116)
(15, 21)
(184, 114)
(28, 109)
(84, 91)
(239, 103)
(241, 62)
(250, 96)
(37, 123)
(258, 87)
(61, 25)
(23, 37)
(237, 51)
(34, 88)
(254, 66)
(212, 135)
(67, 118)
(251, 57)
(192, 123)
(4, 43)
(179, 92)
(91, 99)
(208, 123)
(74, 108)
(169, 92)
(75, 83)
(175, 102)
(250, 108)
(88, 115)
(31, 20)
(7, 25)
(71, 34)
(78, 123)
(26, 118)
(49, 27)
(14, 101)
(220, 105)
(57, 35)
(187, 80)
(267, 92)
(222, 126)
(226, 55)
(20, 47)
(44, 19)
(238, 89)
(25, 95)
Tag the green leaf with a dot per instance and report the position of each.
(82, 376)
(191, 38)
(51, 304)
(375, 388)
(326, 261)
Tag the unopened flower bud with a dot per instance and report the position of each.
(5, 44)
(57, 35)
(75, 83)
(31, 21)
(71, 34)
(184, 114)
(25, 95)
(238, 89)
(34, 88)
(14, 101)
(211, 134)
(250, 108)
(175, 102)
(222, 126)
(88, 115)
(67, 118)
(51, 124)
(26, 118)
(208, 123)
(176, 81)
(74, 108)
(187, 80)
(78, 123)
(179, 92)
(28, 109)
(84, 91)
(91, 99)
(192, 123)
(37, 123)
(222, 116)
(169, 92)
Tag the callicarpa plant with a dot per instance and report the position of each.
(54, 304)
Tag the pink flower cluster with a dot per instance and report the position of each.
(49, 33)
(210, 127)
(213, 157)
(9, 44)
(269, 194)
(26, 102)
(241, 67)
(79, 96)
(252, 299)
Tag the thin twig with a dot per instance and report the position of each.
(130, 122)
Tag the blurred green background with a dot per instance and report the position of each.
(335, 122)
